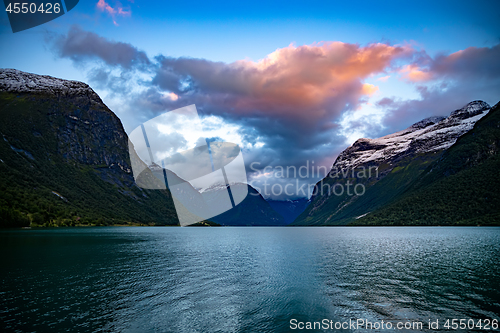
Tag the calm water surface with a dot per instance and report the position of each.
(149, 279)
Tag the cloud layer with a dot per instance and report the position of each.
(80, 45)
(443, 83)
(470, 64)
(304, 83)
(287, 107)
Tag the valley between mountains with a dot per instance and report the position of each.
(64, 161)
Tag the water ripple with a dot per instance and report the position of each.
(243, 279)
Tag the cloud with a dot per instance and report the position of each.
(80, 45)
(298, 104)
(118, 10)
(302, 84)
(414, 73)
(470, 63)
(445, 83)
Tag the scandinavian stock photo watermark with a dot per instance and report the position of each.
(337, 181)
(468, 324)
(172, 151)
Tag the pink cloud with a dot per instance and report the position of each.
(414, 73)
(468, 63)
(118, 10)
(305, 83)
(472, 62)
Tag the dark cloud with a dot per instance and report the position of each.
(471, 63)
(80, 45)
(117, 85)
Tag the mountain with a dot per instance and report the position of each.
(373, 172)
(460, 188)
(64, 158)
(289, 209)
(429, 135)
(254, 210)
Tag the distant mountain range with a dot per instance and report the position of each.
(254, 210)
(289, 209)
(64, 160)
(439, 171)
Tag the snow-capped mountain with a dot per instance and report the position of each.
(428, 135)
(158, 172)
(400, 159)
(13, 80)
(215, 187)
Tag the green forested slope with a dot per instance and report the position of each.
(461, 188)
(64, 161)
(342, 209)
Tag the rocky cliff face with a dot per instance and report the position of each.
(87, 131)
(73, 138)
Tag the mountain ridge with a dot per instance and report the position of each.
(399, 159)
(13, 80)
(459, 188)
(430, 134)
(254, 210)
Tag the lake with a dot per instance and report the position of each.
(246, 279)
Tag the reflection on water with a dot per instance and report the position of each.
(243, 279)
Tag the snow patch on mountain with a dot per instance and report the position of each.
(219, 187)
(428, 135)
(12, 80)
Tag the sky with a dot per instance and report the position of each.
(293, 83)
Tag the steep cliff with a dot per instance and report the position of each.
(64, 157)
